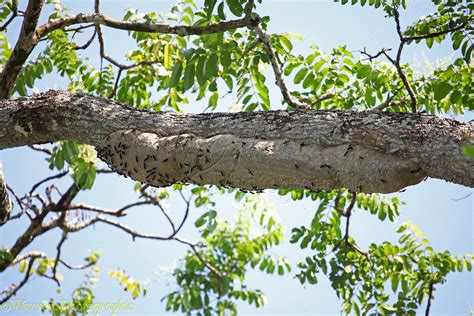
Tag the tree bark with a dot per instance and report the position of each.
(320, 150)
(5, 202)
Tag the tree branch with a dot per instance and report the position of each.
(181, 30)
(279, 81)
(30, 34)
(6, 204)
(119, 213)
(56, 176)
(437, 33)
(27, 40)
(14, 288)
(12, 17)
(317, 150)
(430, 298)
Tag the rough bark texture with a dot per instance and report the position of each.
(362, 151)
(25, 44)
(5, 202)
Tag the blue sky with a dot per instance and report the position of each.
(434, 205)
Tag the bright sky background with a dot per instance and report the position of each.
(436, 206)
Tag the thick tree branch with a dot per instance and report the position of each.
(27, 40)
(181, 30)
(6, 204)
(362, 151)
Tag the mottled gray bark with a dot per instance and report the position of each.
(5, 202)
(362, 151)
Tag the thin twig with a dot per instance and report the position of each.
(58, 256)
(206, 264)
(155, 201)
(57, 176)
(119, 212)
(15, 14)
(186, 212)
(41, 149)
(88, 43)
(14, 288)
(438, 33)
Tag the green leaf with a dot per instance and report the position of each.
(220, 11)
(387, 308)
(212, 66)
(441, 90)
(394, 280)
(300, 75)
(363, 71)
(209, 6)
(176, 74)
(235, 7)
(167, 59)
(189, 74)
(200, 71)
(213, 100)
(226, 59)
(285, 42)
(5, 255)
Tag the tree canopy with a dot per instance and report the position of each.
(350, 126)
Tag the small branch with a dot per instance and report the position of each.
(279, 81)
(117, 81)
(371, 57)
(88, 43)
(119, 213)
(232, 268)
(15, 14)
(389, 103)
(57, 176)
(70, 227)
(249, 8)
(403, 77)
(121, 67)
(430, 298)
(462, 198)
(79, 29)
(438, 33)
(7, 22)
(213, 269)
(17, 198)
(14, 288)
(58, 256)
(396, 15)
(27, 40)
(396, 63)
(186, 212)
(37, 254)
(104, 171)
(347, 212)
(155, 201)
(41, 149)
(322, 98)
